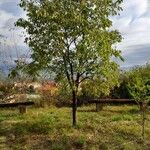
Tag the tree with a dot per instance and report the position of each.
(23, 71)
(98, 87)
(121, 91)
(139, 88)
(72, 38)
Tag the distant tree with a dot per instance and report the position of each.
(22, 71)
(99, 87)
(6, 90)
(121, 91)
(73, 39)
(139, 88)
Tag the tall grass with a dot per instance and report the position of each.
(112, 128)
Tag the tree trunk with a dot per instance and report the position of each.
(143, 125)
(143, 109)
(74, 108)
(99, 107)
(22, 109)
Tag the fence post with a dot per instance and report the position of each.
(22, 109)
(99, 107)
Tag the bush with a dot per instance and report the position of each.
(80, 142)
(6, 89)
(48, 94)
(63, 97)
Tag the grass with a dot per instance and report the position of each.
(115, 128)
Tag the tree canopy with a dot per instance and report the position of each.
(72, 38)
(139, 83)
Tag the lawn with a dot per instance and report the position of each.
(114, 128)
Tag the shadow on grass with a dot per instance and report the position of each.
(61, 142)
(124, 111)
(88, 110)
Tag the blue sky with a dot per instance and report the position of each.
(133, 23)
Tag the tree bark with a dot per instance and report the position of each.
(74, 108)
(22, 109)
(99, 107)
(143, 124)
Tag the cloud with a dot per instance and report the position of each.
(138, 56)
(134, 24)
(11, 7)
(4, 16)
(12, 44)
(9, 14)
(8, 55)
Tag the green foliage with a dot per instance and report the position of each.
(139, 87)
(100, 87)
(72, 38)
(80, 142)
(139, 83)
(23, 71)
(134, 83)
(121, 91)
(64, 95)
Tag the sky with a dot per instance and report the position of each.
(133, 23)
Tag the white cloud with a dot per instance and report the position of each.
(134, 24)
(4, 16)
(7, 27)
(134, 8)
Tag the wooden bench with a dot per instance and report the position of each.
(100, 102)
(21, 105)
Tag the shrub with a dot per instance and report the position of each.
(48, 93)
(80, 142)
(6, 89)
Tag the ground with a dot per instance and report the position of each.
(114, 128)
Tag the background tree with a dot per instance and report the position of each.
(23, 71)
(121, 91)
(72, 38)
(139, 88)
(99, 87)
